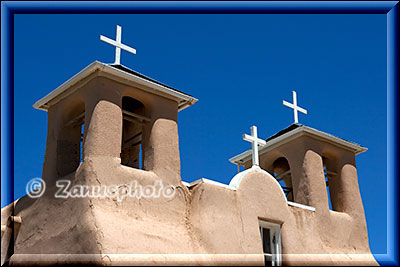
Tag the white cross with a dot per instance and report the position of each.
(118, 45)
(255, 141)
(295, 107)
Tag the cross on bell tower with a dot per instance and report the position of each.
(118, 45)
(295, 107)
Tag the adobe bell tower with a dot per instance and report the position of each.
(316, 169)
(111, 111)
(112, 136)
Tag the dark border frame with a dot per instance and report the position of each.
(390, 8)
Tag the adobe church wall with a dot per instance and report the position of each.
(232, 225)
(227, 222)
(206, 219)
(55, 225)
(102, 225)
(145, 225)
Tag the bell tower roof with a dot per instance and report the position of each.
(294, 131)
(117, 73)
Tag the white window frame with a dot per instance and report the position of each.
(276, 248)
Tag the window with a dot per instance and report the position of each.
(283, 175)
(271, 242)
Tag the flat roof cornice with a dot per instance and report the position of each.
(296, 133)
(100, 69)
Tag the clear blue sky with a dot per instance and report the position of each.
(240, 67)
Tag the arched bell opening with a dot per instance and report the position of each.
(283, 175)
(132, 132)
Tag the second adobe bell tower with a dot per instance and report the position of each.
(318, 170)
